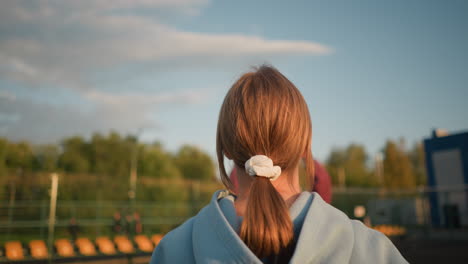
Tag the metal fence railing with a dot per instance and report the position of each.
(443, 207)
(422, 209)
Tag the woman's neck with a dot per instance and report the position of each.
(289, 190)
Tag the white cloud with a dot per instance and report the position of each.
(42, 123)
(140, 99)
(64, 43)
(70, 39)
(6, 95)
(42, 10)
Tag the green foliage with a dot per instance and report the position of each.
(19, 155)
(3, 150)
(351, 162)
(401, 169)
(111, 155)
(46, 158)
(157, 163)
(417, 157)
(398, 170)
(170, 187)
(194, 163)
(75, 156)
(99, 167)
(94, 180)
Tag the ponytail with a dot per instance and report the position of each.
(267, 228)
(265, 114)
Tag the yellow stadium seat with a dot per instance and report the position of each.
(390, 230)
(143, 243)
(64, 248)
(14, 250)
(105, 245)
(156, 238)
(85, 247)
(123, 244)
(38, 249)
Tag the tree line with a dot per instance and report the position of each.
(99, 168)
(395, 167)
(112, 156)
(178, 183)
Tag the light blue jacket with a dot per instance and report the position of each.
(325, 235)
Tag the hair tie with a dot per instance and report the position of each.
(261, 165)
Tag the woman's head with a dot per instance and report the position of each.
(265, 114)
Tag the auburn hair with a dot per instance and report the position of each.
(265, 114)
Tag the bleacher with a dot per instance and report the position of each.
(137, 249)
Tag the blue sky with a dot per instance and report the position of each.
(369, 70)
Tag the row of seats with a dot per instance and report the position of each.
(65, 248)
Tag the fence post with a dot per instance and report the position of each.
(43, 217)
(11, 206)
(52, 208)
(98, 216)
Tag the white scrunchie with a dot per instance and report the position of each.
(261, 165)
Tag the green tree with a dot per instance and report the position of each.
(350, 162)
(75, 156)
(153, 161)
(417, 157)
(111, 155)
(335, 163)
(46, 157)
(398, 171)
(19, 155)
(194, 163)
(3, 151)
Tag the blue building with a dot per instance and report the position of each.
(447, 171)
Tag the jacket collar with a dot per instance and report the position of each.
(215, 240)
(326, 236)
(324, 230)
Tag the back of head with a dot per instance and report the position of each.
(265, 114)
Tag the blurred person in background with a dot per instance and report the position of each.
(137, 223)
(117, 223)
(73, 228)
(264, 127)
(129, 225)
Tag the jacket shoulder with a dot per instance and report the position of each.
(371, 246)
(176, 246)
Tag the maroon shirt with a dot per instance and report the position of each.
(322, 182)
